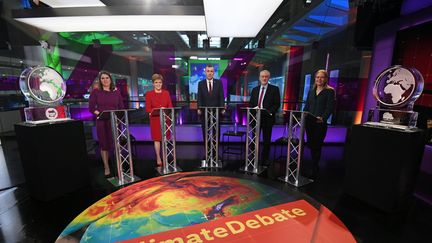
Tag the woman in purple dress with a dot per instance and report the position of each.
(107, 97)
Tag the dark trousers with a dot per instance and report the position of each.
(266, 132)
(316, 133)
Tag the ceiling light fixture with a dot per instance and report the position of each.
(74, 3)
(118, 23)
(124, 18)
(239, 18)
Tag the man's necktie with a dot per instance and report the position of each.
(261, 97)
(210, 88)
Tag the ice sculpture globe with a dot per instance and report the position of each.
(396, 89)
(398, 86)
(42, 85)
(44, 88)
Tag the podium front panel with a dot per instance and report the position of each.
(382, 165)
(54, 158)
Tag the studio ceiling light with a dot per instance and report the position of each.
(123, 18)
(118, 23)
(238, 18)
(72, 3)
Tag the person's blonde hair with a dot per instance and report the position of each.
(157, 76)
(326, 75)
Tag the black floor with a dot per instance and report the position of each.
(24, 219)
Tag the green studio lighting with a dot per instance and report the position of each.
(88, 37)
(52, 58)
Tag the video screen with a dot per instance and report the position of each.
(144, 85)
(197, 73)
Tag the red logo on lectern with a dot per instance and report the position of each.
(51, 113)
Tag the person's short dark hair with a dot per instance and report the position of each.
(209, 66)
(112, 85)
(157, 76)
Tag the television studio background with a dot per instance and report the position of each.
(354, 40)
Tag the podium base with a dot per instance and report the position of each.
(300, 182)
(257, 170)
(205, 165)
(116, 182)
(163, 171)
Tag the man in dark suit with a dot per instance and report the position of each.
(210, 94)
(266, 96)
(210, 91)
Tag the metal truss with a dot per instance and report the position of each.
(123, 152)
(252, 141)
(296, 129)
(167, 122)
(211, 115)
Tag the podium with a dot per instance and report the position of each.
(54, 158)
(167, 124)
(252, 141)
(211, 130)
(122, 147)
(296, 130)
(382, 165)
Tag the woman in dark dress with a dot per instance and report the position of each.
(320, 102)
(157, 98)
(107, 97)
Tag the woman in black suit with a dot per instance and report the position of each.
(320, 103)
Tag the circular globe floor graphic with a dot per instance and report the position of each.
(204, 207)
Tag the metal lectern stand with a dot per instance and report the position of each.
(123, 152)
(211, 137)
(167, 124)
(252, 141)
(296, 131)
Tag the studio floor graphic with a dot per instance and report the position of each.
(204, 207)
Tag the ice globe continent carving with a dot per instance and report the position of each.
(398, 86)
(42, 85)
(51, 84)
(399, 83)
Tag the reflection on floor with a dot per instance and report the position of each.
(23, 219)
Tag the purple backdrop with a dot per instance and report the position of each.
(385, 37)
(193, 133)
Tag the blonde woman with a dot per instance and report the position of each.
(320, 102)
